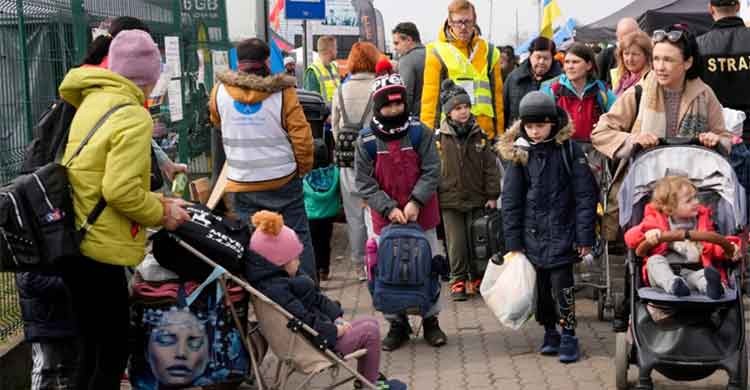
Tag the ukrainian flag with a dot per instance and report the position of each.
(550, 12)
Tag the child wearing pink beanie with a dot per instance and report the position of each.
(278, 277)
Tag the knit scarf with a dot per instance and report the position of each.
(626, 81)
(652, 116)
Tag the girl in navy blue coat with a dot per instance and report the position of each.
(549, 212)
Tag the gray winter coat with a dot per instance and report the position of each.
(369, 188)
(411, 68)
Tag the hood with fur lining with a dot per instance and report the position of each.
(509, 149)
(251, 88)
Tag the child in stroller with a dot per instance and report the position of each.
(674, 206)
(277, 276)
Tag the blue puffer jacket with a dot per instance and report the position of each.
(297, 295)
(548, 209)
(45, 307)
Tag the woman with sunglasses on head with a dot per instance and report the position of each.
(671, 101)
(674, 102)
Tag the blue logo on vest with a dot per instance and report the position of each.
(247, 108)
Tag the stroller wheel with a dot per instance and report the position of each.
(622, 361)
(741, 381)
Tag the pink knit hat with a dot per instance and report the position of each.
(135, 56)
(277, 243)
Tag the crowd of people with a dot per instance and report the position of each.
(453, 128)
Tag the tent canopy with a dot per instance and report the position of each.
(651, 15)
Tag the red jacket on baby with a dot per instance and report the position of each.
(654, 219)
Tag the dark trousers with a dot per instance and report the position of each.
(321, 231)
(556, 303)
(99, 298)
(289, 202)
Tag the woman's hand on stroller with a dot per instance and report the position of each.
(491, 204)
(709, 140)
(646, 140)
(652, 236)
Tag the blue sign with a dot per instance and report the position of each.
(306, 9)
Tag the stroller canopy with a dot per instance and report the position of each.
(708, 170)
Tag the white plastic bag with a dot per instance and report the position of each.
(509, 290)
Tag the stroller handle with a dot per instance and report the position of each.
(679, 235)
(681, 141)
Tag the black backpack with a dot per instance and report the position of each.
(347, 135)
(50, 136)
(37, 220)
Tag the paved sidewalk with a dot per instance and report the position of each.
(481, 354)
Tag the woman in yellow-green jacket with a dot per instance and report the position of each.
(113, 166)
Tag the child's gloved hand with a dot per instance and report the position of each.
(652, 236)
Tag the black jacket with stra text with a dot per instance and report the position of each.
(726, 54)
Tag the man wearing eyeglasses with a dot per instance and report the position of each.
(726, 54)
(462, 55)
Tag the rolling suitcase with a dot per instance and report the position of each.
(486, 238)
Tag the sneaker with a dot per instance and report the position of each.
(568, 349)
(551, 344)
(472, 288)
(714, 288)
(458, 291)
(390, 384)
(397, 336)
(358, 384)
(432, 332)
(361, 273)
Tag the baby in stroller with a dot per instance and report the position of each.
(674, 206)
(279, 278)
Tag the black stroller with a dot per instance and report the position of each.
(700, 335)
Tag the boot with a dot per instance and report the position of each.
(569, 352)
(432, 332)
(551, 344)
(714, 288)
(397, 335)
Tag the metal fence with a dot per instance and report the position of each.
(40, 40)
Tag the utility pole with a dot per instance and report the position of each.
(492, 14)
(518, 38)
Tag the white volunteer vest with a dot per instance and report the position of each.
(256, 145)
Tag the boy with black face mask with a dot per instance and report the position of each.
(397, 172)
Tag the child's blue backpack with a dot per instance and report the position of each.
(404, 280)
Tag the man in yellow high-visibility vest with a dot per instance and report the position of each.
(461, 54)
(323, 75)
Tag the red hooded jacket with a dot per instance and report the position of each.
(653, 219)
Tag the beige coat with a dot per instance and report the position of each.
(617, 127)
